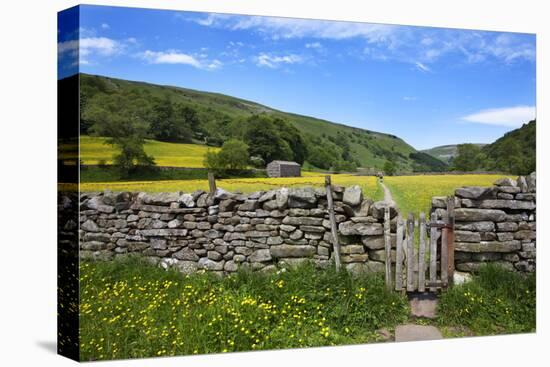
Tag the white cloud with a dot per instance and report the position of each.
(105, 26)
(506, 116)
(176, 57)
(88, 47)
(314, 45)
(409, 98)
(389, 42)
(273, 61)
(420, 66)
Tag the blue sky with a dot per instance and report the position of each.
(429, 86)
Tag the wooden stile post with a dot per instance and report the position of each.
(444, 251)
(387, 246)
(421, 254)
(410, 253)
(399, 255)
(334, 229)
(211, 183)
(451, 238)
(433, 250)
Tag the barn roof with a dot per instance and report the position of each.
(288, 163)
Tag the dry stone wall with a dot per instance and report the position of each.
(227, 231)
(495, 224)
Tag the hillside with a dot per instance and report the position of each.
(515, 151)
(221, 117)
(445, 153)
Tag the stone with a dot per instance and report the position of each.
(222, 194)
(137, 246)
(302, 198)
(522, 184)
(212, 234)
(249, 206)
(299, 221)
(479, 215)
(488, 246)
(282, 251)
(525, 266)
(96, 236)
(158, 244)
(175, 223)
(531, 182)
(227, 205)
(475, 192)
(296, 235)
(525, 235)
(528, 196)
(505, 236)
(268, 196)
(460, 277)
(475, 226)
(239, 258)
(507, 227)
(507, 204)
(262, 255)
(505, 196)
(472, 267)
(208, 264)
(214, 255)
(281, 196)
(161, 198)
(352, 258)
(508, 189)
(378, 208)
(423, 305)
(231, 266)
(132, 218)
(163, 232)
(352, 249)
(486, 256)
(276, 240)
(187, 200)
(186, 254)
(467, 236)
(487, 236)
(373, 242)
(187, 267)
(360, 229)
(411, 332)
(380, 255)
(505, 182)
(93, 246)
(89, 226)
(353, 195)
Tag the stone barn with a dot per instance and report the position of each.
(283, 169)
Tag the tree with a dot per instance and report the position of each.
(172, 122)
(389, 168)
(264, 140)
(233, 155)
(123, 121)
(467, 158)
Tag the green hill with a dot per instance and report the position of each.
(445, 153)
(515, 151)
(221, 117)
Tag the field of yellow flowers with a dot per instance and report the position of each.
(130, 309)
(368, 183)
(413, 194)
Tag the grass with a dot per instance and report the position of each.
(93, 150)
(130, 309)
(413, 194)
(368, 183)
(496, 301)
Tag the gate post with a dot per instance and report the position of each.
(451, 238)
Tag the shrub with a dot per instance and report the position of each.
(495, 301)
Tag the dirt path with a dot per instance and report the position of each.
(387, 193)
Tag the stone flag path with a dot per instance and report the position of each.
(421, 306)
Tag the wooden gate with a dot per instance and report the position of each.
(424, 262)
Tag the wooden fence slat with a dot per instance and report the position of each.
(444, 251)
(334, 229)
(399, 255)
(410, 253)
(387, 246)
(451, 238)
(421, 254)
(433, 250)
